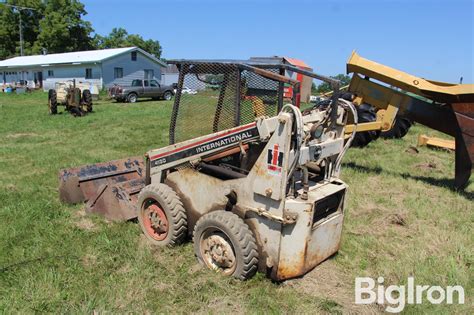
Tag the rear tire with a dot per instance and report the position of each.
(223, 242)
(162, 216)
(365, 113)
(52, 102)
(399, 129)
(132, 98)
(87, 100)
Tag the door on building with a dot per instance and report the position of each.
(38, 78)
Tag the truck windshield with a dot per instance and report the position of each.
(137, 83)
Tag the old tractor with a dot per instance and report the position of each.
(75, 97)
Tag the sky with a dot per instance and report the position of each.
(432, 39)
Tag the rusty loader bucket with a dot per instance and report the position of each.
(109, 189)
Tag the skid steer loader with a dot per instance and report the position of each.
(254, 182)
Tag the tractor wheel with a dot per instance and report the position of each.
(161, 215)
(399, 129)
(132, 98)
(52, 102)
(167, 96)
(223, 242)
(87, 100)
(365, 113)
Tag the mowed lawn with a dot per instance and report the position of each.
(402, 219)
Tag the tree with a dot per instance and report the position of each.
(119, 37)
(63, 29)
(9, 26)
(326, 87)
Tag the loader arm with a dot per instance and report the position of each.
(445, 107)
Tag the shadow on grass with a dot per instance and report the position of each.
(440, 182)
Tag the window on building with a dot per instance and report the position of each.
(88, 73)
(134, 56)
(50, 73)
(149, 74)
(118, 73)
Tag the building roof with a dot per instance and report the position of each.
(78, 57)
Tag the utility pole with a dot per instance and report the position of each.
(19, 8)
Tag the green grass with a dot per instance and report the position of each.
(402, 219)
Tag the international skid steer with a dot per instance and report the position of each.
(254, 182)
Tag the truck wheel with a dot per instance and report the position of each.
(223, 242)
(399, 129)
(52, 102)
(161, 215)
(167, 96)
(87, 100)
(132, 98)
(365, 113)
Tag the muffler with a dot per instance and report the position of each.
(109, 189)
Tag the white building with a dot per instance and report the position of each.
(102, 68)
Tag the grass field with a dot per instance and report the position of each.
(402, 219)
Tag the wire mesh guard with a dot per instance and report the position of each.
(216, 96)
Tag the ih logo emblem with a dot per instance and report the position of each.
(275, 160)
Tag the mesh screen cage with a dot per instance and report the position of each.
(214, 96)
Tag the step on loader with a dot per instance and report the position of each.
(254, 182)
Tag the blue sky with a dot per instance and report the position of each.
(429, 38)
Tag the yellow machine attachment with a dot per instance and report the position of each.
(445, 107)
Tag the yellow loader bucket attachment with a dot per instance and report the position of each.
(109, 189)
(445, 107)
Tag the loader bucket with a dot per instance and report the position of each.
(109, 189)
(464, 113)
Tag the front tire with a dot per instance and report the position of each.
(87, 100)
(223, 242)
(162, 216)
(132, 98)
(167, 96)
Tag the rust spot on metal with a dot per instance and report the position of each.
(110, 188)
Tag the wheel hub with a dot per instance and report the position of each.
(155, 222)
(219, 253)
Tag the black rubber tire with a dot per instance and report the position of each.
(132, 97)
(171, 204)
(168, 95)
(87, 100)
(52, 102)
(240, 236)
(399, 129)
(365, 113)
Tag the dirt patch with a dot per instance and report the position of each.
(86, 224)
(427, 166)
(328, 282)
(412, 150)
(89, 260)
(21, 134)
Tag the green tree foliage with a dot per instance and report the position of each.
(325, 87)
(9, 26)
(58, 26)
(119, 37)
(63, 29)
